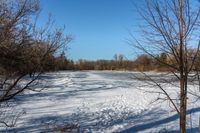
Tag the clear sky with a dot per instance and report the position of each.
(99, 27)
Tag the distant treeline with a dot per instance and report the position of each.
(141, 63)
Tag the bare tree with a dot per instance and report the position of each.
(25, 49)
(172, 27)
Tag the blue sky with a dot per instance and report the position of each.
(99, 27)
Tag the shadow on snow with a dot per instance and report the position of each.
(142, 127)
(99, 121)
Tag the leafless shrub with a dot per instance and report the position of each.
(25, 49)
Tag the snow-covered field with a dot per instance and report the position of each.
(101, 101)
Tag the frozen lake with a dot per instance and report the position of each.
(101, 101)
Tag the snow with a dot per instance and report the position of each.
(100, 101)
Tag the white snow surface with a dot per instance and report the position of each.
(102, 101)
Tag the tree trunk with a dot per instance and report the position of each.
(183, 106)
(183, 74)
